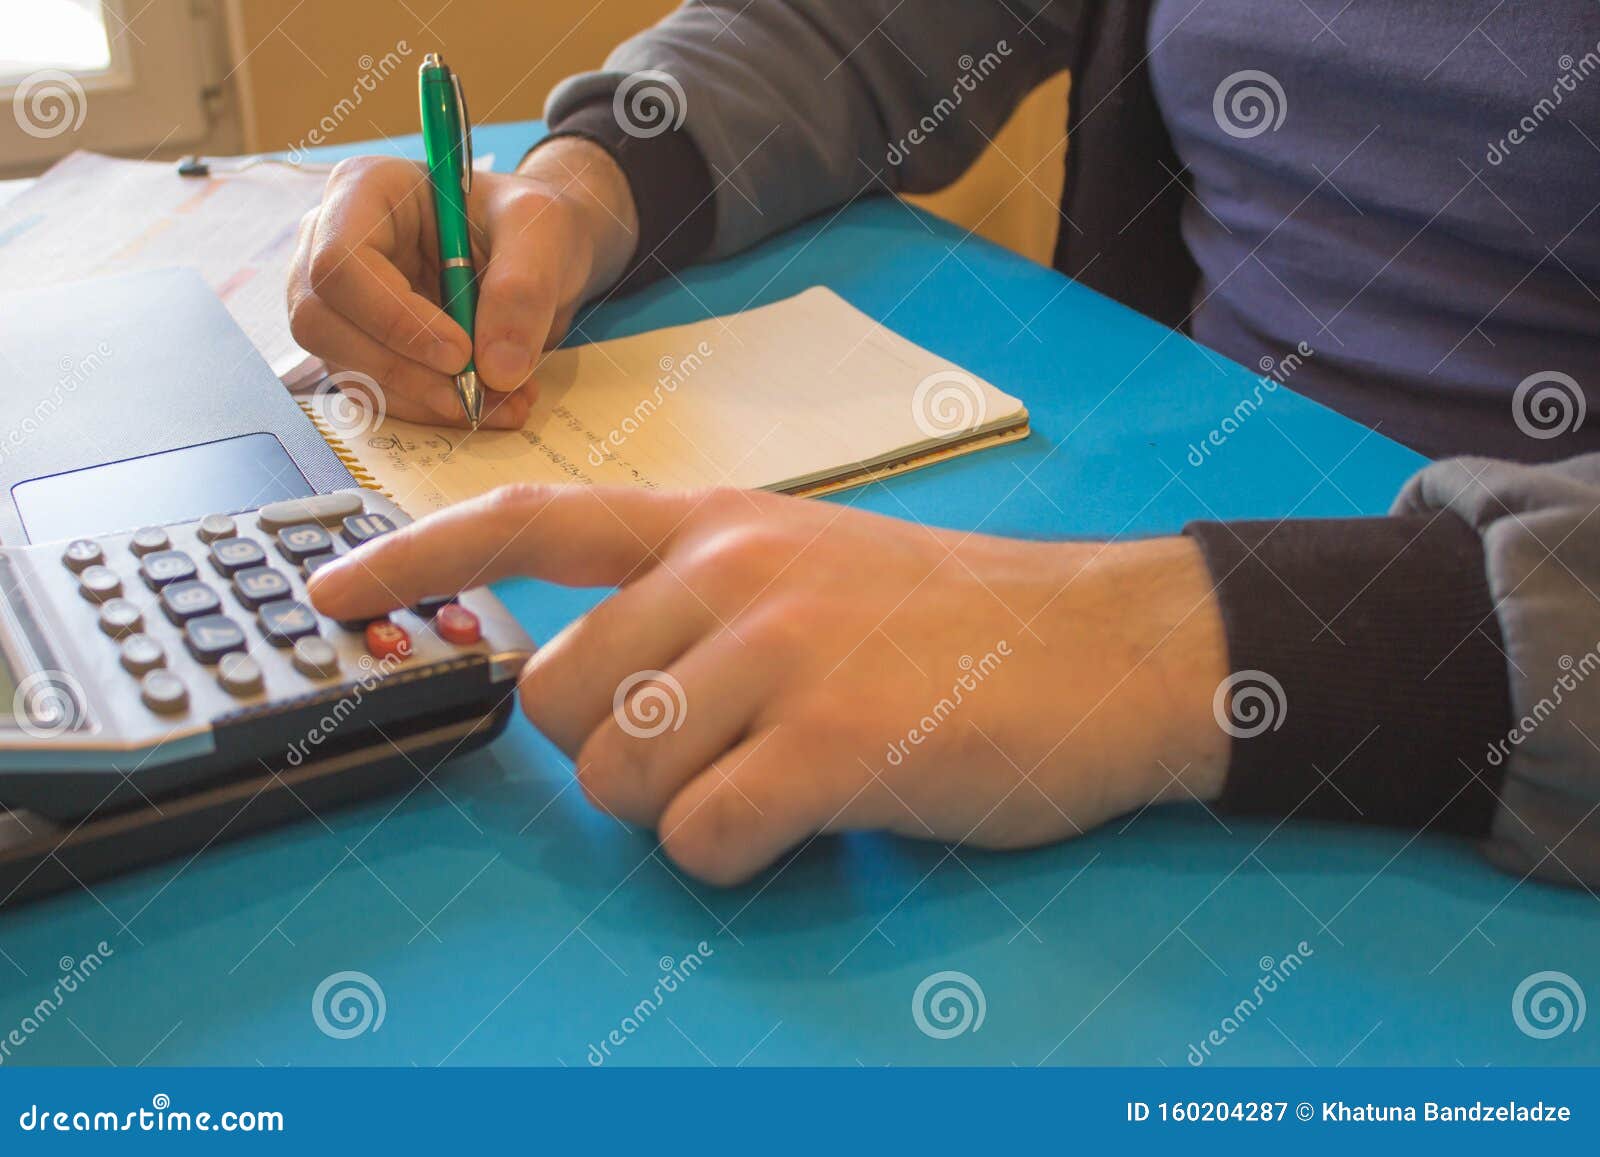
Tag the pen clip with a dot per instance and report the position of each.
(466, 133)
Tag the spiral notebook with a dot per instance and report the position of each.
(806, 396)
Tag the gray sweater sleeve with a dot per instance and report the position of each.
(1540, 527)
(798, 106)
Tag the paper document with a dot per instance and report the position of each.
(803, 395)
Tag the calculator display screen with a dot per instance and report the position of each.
(220, 477)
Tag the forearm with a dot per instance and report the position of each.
(794, 106)
(591, 183)
(1430, 669)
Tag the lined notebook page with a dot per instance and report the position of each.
(783, 397)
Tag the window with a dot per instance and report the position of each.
(121, 76)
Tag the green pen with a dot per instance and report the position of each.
(447, 137)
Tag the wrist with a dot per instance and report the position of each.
(589, 182)
(1168, 656)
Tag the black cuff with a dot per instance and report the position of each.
(671, 185)
(1382, 636)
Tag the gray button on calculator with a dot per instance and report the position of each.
(303, 540)
(82, 553)
(260, 584)
(239, 674)
(315, 656)
(164, 567)
(120, 617)
(189, 600)
(100, 583)
(215, 526)
(212, 636)
(148, 540)
(285, 621)
(163, 691)
(328, 509)
(141, 653)
(230, 555)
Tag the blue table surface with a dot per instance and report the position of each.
(508, 923)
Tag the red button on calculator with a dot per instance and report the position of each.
(388, 640)
(457, 625)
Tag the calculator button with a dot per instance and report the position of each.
(426, 608)
(239, 674)
(166, 566)
(148, 540)
(360, 528)
(141, 653)
(317, 561)
(315, 656)
(212, 636)
(230, 555)
(100, 583)
(163, 691)
(285, 621)
(327, 509)
(120, 617)
(215, 526)
(82, 553)
(387, 640)
(298, 543)
(259, 585)
(189, 600)
(457, 625)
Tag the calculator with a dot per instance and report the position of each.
(168, 684)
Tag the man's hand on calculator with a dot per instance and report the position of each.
(364, 287)
(816, 668)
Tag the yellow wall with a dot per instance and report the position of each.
(297, 59)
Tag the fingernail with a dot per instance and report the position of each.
(506, 363)
(445, 357)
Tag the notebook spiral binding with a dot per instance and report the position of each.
(343, 452)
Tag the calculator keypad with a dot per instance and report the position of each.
(243, 616)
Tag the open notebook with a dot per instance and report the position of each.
(806, 396)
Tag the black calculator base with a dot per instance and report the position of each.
(64, 857)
